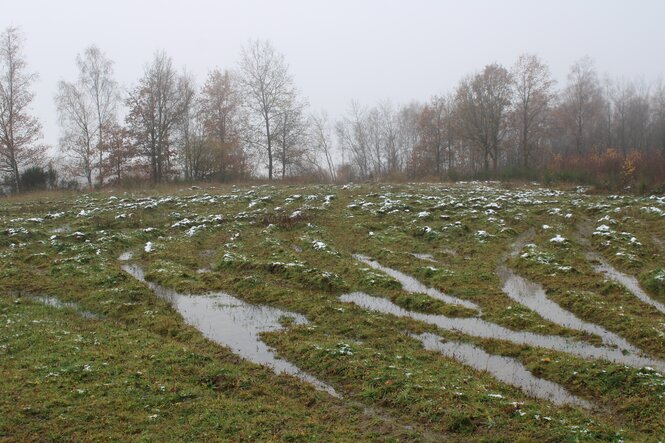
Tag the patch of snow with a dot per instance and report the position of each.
(558, 239)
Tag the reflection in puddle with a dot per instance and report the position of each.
(629, 282)
(533, 296)
(57, 303)
(505, 369)
(233, 323)
(410, 284)
(480, 328)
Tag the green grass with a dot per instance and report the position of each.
(137, 372)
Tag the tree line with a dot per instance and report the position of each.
(251, 121)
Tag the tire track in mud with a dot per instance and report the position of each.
(617, 349)
(533, 296)
(601, 266)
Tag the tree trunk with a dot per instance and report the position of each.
(269, 139)
(17, 177)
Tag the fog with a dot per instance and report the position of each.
(342, 50)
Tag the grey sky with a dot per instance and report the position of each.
(340, 50)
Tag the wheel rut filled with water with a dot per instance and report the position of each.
(232, 322)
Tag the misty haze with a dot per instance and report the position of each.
(332, 221)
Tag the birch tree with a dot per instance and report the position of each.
(19, 130)
(77, 120)
(268, 89)
(96, 77)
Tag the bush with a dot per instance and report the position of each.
(34, 178)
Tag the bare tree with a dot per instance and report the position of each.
(621, 95)
(199, 153)
(533, 96)
(219, 107)
(374, 132)
(290, 132)
(429, 153)
(267, 88)
(96, 76)
(121, 153)
(77, 120)
(406, 137)
(19, 131)
(582, 104)
(658, 116)
(482, 105)
(639, 116)
(321, 140)
(188, 130)
(353, 138)
(385, 122)
(156, 105)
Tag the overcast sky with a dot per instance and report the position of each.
(339, 50)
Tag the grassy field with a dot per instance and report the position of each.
(117, 362)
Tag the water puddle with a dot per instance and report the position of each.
(533, 296)
(477, 327)
(410, 284)
(59, 304)
(505, 369)
(628, 281)
(232, 322)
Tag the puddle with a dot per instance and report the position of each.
(126, 256)
(533, 296)
(425, 257)
(57, 303)
(477, 327)
(505, 369)
(628, 281)
(410, 284)
(232, 322)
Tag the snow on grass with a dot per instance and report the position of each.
(319, 245)
(558, 239)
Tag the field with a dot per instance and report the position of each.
(475, 311)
